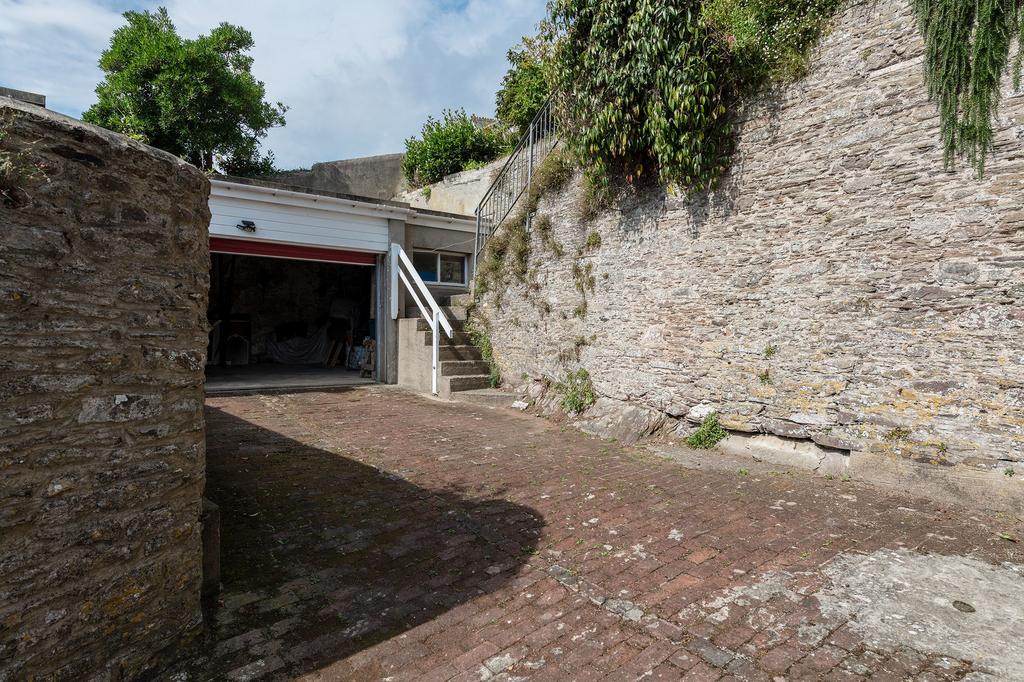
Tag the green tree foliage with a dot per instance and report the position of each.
(967, 53)
(194, 98)
(525, 88)
(450, 145)
(639, 88)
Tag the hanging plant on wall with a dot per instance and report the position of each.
(967, 53)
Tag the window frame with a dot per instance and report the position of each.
(437, 260)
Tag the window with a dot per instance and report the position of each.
(440, 268)
(453, 269)
(425, 263)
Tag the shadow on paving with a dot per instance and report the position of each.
(322, 556)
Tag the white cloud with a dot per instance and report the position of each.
(358, 76)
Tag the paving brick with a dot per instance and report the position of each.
(316, 496)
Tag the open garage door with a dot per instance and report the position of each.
(289, 323)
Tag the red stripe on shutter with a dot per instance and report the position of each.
(246, 247)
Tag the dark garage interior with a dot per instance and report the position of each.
(282, 323)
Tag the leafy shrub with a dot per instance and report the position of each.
(524, 88)
(768, 40)
(449, 145)
(709, 434)
(577, 391)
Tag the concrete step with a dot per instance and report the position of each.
(455, 353)
(459, 338)
(485, 397)
(456, 368)
(424, 326)
(464, 300)
(467, 383)
(451, 312)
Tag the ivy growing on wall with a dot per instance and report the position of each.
(967, 54)
(638, 89)
(646, 87)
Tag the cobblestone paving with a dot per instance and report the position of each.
(372, 534)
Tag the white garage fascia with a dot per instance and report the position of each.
(288, 217)
(291, 217)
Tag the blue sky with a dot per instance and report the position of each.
(359, 76)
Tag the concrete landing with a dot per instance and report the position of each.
(485, 397)
(262, 377)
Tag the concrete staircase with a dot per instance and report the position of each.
(462, 368)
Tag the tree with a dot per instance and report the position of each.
(194, 98)
(524, 88)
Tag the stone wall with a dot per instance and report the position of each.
(841, 288)
(103, 287)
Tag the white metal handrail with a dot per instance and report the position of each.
(428, 306)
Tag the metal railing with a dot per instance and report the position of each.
(429, 308)
(515, 176)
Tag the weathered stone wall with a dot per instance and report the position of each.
(103, 287)
(890, 287)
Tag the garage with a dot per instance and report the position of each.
(294, 280)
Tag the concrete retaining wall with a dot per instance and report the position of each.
(840, 288)
(103, 288)
(378, 177)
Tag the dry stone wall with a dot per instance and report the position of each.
(841, 287)
(103, 288)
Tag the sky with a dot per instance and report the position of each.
(358, 76)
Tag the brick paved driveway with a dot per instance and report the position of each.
(372, 534)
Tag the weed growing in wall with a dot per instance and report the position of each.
(583, 277)
(543, 227)
(507, 252)
(481, 338)
(17, 170)
(577, 391)
(709, 434)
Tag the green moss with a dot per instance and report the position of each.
(593, 241)
(897, 434)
